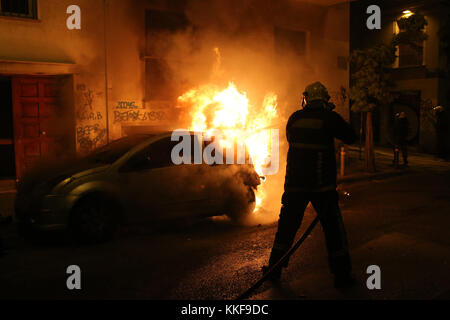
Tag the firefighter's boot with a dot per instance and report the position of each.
(275, 256)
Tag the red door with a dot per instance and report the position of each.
(35, 108)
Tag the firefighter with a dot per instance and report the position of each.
(311, 177)
(401, 128)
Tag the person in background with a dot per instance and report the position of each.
(442, 131)
(401, 130)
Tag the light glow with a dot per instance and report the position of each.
(407, 13)
(230, 111)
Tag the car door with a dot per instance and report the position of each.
(218, 180)
(157, 188)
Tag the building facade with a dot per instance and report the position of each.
(65, 92)
(420, 81)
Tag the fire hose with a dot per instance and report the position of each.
(280, 262)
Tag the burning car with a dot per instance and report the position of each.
(132, 179)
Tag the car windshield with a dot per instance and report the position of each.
(115, 149)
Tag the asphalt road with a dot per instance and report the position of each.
(400, 224)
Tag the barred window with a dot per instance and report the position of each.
(290, 41)
(19, 8)
(159, 25)
(409, 56)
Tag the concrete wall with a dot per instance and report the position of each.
(337, 44)
(48, 40)
(108, 70)
(46, 46)
(424, 79)
(328, 30)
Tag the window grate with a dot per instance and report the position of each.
(160, 80)
(19, 8)
(290, 41)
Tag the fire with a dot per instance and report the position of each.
(230, 111)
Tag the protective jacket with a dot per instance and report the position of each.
(311, 160)
(401, 127)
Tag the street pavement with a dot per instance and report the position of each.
(398, 222)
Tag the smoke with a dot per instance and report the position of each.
(235, 41)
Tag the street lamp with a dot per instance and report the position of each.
(407, 13)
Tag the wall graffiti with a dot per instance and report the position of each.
(90, 116)
(86, 110)
(138, 115)
(90, 136)
(129, 111)
(88, 98)
(127, 105)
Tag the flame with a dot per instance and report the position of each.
(229, 110)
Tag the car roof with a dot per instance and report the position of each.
(151, 134)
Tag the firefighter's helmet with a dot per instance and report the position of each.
(316, 91)
(438, 109)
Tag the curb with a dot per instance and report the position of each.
(370, 176)
(8, 191)
(389, 153)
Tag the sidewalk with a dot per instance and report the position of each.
(7, 186)
(354, 166)
(7, 195)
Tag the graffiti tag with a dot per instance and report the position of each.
(127, 105)
(89, 136)
(138, 115)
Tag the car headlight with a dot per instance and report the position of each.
(66, 181)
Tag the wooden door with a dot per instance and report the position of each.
(36, 106)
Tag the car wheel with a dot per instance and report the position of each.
(94, 219)
(241, 205)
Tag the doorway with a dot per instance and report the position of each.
(7, 158)
(37, 122)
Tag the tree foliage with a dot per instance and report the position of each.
(411, 31)
(372, 66)
(371, 70)
(371, 81)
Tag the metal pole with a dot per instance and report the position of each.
(360, 136)
(105, 48)
(342, 161)
(396, 154)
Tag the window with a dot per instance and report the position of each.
(159, 78)
(290, 41)
(111, 152)
(409, 56)
(18, 8)
(157, 155)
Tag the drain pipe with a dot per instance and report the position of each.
(106, 71)
(342, 161)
